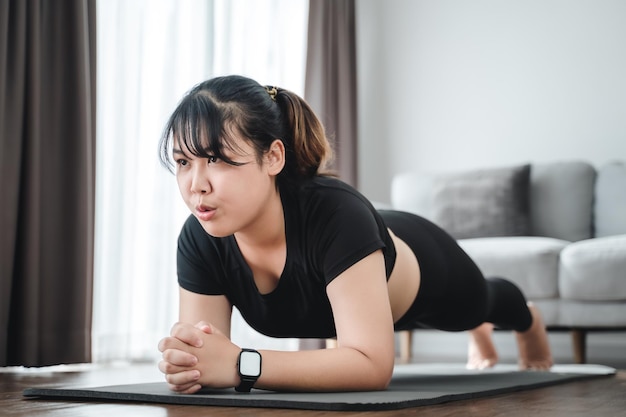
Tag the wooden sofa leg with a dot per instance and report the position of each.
(406, 345)
(579, 344)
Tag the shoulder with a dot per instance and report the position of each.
(332, 194)
(321, 198)
(331, 210)
(327, 183)
(340, 224)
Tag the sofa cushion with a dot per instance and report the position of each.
(610, 200)
(597, 314)
(594, 269)
(561, 200)
(530, 262)
(558, 313)
(473, 203)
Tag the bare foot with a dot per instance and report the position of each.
(533, 346)
(481, 352)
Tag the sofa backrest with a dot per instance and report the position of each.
(561, 200)
(610, 200)
(560, 196)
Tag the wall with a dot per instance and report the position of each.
(456, 84)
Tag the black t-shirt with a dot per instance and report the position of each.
(329, 226)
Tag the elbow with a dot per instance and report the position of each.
(381, 377)
(385, 380)
(374, 372)
(379, 382)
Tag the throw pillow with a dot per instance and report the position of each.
(483, 203)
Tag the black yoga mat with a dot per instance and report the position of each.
(412, 385)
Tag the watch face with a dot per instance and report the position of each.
(250, 364)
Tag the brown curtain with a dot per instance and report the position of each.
(47, 144)
(330, 86)
(330, 82)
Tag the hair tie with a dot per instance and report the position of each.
(272, 91)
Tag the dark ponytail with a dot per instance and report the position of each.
(206, 119)
(311, 149)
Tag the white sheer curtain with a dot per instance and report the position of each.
(149, 53)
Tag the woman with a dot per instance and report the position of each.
(302, 254)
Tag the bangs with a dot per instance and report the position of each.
(199, 127)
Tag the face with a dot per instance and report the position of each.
(227, 198)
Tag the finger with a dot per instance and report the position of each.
(207, 328)
(183, 379)
(204, 326)
(168, 367)
(186, 389)
(179, 358)
(163, 344)
(172, 343)
(187, 334)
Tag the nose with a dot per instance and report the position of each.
(200, 183)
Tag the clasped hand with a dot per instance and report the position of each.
(197, 356)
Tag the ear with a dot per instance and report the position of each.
(275, 157)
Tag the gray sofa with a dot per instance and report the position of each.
(558, 230)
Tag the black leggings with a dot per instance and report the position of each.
(453, 293)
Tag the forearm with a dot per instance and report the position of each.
(339, 369)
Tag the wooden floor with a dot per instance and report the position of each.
(604, 396)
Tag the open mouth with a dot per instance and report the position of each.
(204, 213)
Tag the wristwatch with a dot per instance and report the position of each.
(249, 368)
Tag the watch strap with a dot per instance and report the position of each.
(246, 384)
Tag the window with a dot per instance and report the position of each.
(150, 52)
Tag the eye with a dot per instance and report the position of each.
(181, 162)
(213, 159)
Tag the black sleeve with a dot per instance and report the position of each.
(198, 260)
(348, 232)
